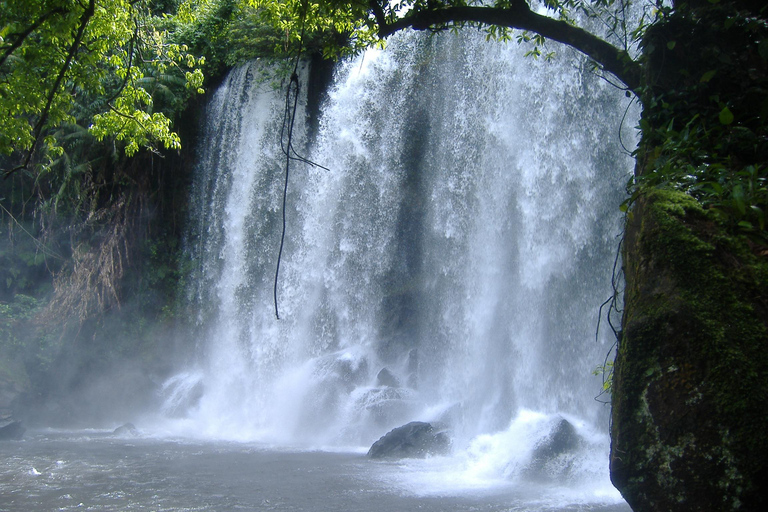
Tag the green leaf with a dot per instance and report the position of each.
(739, 199)
(726, 116)
(706, 77)
(671, 45)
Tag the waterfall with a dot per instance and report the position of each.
(449, 266)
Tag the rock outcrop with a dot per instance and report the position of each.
(553, 456)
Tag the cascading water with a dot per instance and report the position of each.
(448, 267)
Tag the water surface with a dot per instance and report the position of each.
(91, 470)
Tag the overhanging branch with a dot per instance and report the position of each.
(19, 38)
(519, 16)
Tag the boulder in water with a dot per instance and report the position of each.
(12, 431)
(126, 429)
(413, 440)
(553, 456)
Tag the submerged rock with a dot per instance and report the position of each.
(127, 429)
(413, 440)
(12, 431)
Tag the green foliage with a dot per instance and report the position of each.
(63, 58)
(605, 371)
(337, 27)
(705, 125)
(20, 309)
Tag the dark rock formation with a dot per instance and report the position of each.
(126, 429)
(12, 432)
(413, 440)
(553, 456)
(385, 378)
(691, 374)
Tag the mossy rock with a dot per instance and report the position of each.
(691, 375)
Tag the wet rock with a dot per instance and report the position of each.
(127, 429)
(386, 378)
(181, 394)
(689, 383)
(12, 432)
(413, 369)
(413, 440)
(554, 455)
(386, 405)
(342, 368)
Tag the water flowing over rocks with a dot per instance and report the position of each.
(430, 273)
(414, 440)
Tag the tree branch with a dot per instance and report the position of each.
(20, 37)
(520, 16)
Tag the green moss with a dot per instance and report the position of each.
(695, 306)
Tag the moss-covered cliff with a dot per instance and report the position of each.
(691, 377)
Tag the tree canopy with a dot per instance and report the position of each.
(369, 22)
(102, 64)
(121, 69)
(94, 61)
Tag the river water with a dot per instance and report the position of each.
(92, 470)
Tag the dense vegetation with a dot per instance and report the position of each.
(94, 188)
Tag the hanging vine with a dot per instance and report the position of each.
(286, 142)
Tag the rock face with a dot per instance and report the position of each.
(691, 374)
(12, 432)
(413, 440)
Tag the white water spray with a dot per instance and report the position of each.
(449, 267)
